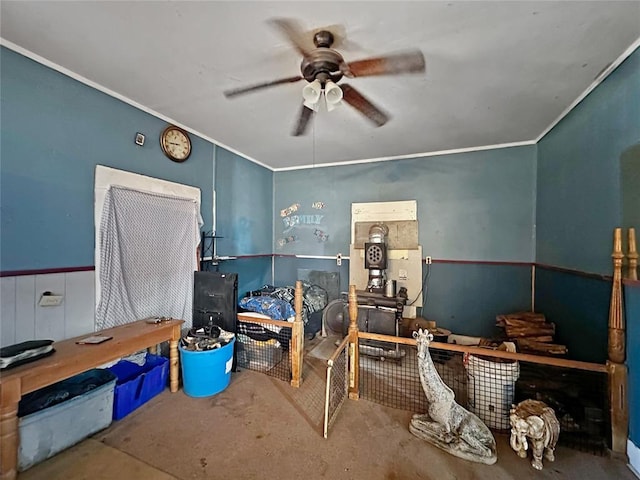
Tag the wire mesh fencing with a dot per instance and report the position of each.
(579, 398)
(265, 347)
(336, 385)
(488, 386)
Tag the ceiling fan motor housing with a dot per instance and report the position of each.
(323, 38)
(322, 64)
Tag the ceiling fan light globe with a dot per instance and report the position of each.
(333, 93)
(311, 92)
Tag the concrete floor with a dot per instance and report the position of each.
(260, 428)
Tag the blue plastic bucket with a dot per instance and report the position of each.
(208, 372)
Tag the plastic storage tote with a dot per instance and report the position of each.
(137, 384)
(207, 372)
(61, 415)
(490, 390)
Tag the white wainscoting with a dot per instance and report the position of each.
(21, 318)
(633, 453)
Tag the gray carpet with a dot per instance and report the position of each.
(252, 431)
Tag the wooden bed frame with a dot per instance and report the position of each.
(617, 341)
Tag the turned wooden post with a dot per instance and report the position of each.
(297, 339)
(616, 318)
(174, 358)
(632, 255)
(354, 360)
(9, 440)
(615, 364)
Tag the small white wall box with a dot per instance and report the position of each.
(139, 139)
(48, 299)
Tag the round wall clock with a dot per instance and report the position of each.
(175, 143)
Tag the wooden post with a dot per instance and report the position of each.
(619, 407)
(174, 366)
(354, 360)
(616, 319)
(615, 364)
(9, 441)
(297, 339)
(632, 255)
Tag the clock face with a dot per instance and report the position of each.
(175, 144)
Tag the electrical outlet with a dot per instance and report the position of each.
(427, 260)
(339, 259)
(49, 300)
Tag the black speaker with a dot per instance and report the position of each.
(215, 301)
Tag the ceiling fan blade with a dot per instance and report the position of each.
(364, 106)
(239, 91)
(303, 121)
(293, 32)
(405, 62)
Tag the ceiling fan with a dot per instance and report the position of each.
(323, 67)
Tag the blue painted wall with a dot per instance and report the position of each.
(244, 194)
(581, 198)
(471, 206)
(579, 193)
(253, 273)
(579, 306)
(465, 298)
(54, 132)
(632, 314)
(630, 185)
(244, 197)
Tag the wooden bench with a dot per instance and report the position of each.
(71, 359)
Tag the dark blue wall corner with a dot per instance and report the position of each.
(253, 273)
(632, 317)
(244, 198)
(579, 306)
(466, 298)
(578, 176)
(288, 269)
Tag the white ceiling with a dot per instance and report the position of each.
(497, 72)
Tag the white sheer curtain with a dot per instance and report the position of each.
(147, 255)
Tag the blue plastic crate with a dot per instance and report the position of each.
(138, 384)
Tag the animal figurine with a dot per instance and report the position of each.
(447, 425)
(535, 421)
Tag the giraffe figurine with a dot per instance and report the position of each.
(447, 425)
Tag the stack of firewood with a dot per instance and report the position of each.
(531, 332)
